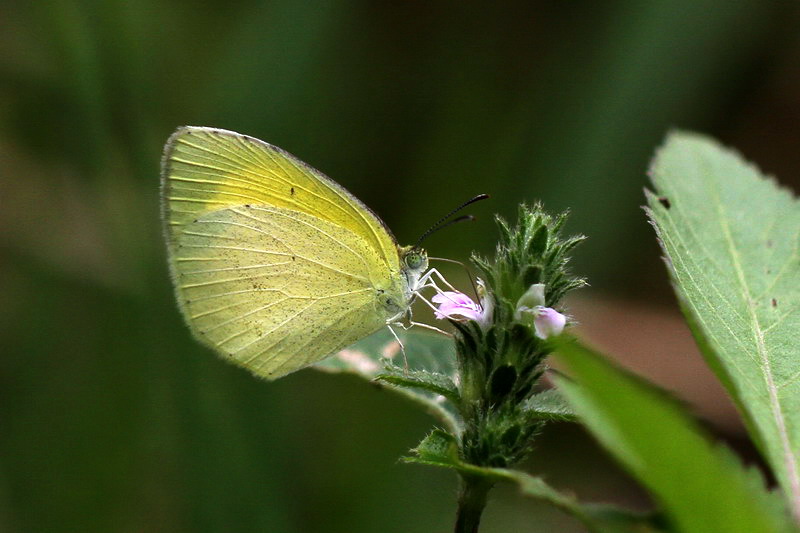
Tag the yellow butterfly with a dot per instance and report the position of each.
(275, 265)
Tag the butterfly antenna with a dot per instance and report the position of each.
(443, 222)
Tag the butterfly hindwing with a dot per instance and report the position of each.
(275, 265)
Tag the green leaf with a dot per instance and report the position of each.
(438, 449)
(549, 405)
(701, 486)
(433, 382)
(441, 449)
(426, 354)
(731, 237)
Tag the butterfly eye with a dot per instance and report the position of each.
(414, 260)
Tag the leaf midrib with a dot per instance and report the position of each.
(765, 367)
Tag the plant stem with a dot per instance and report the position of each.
(472, 497)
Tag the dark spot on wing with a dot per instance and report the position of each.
(663, 200)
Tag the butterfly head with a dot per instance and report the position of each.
(414, 264)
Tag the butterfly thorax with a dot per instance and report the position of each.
(396, 297)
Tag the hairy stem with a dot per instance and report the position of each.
(472, 497)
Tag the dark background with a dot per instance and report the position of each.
(113, 419)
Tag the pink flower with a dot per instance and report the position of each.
(459, 306)
(531, 311)
(456, 304)
(548, 322)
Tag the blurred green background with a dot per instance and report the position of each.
(113, 419)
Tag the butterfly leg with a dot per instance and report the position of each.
(430, 284)
(427, 280)
(469, 274)
(435, 272)
(402, 348)
(432, 328)
(428, 302)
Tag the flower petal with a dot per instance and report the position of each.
(548, 322)
(454, 298)
(456, 304)
(533, 297)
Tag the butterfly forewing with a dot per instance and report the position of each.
(206, 169)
